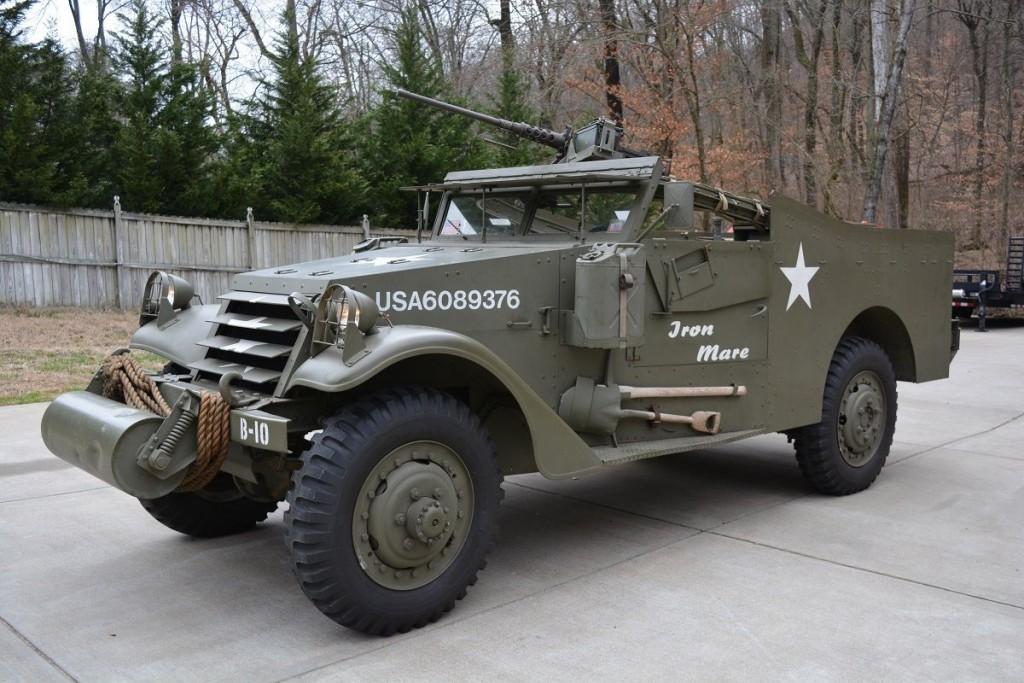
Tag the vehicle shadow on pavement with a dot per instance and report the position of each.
(701, 490)
(550, 531)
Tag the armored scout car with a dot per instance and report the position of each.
(558, 318)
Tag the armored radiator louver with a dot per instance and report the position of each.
(253, 336)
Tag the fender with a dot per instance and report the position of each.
(558, 450)
(177, 340)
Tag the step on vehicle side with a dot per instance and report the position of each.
(559, 318)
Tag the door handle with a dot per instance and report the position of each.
(761, 310)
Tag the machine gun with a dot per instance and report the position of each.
(601, 139)
(598, 140)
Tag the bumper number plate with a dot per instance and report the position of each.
(260, 430)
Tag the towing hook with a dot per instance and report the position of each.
(224, 386)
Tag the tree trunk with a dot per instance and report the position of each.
(880, 50)
(902, 169)
(975, 15)
(693, 101)
(504, 25)
(1008, 73)
(837, 107)
(887, 110)
(176, 8)
(771, 92)
(855, 115)
(809, 61)
(612, 77)
(83, 47)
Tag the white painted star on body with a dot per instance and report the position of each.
(799, 277)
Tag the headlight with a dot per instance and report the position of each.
(164, 294)
(341, 312)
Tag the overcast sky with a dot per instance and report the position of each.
(54, 16)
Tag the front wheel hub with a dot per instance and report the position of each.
(862, 419)
(412, 515)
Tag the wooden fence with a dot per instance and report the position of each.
(100, 259)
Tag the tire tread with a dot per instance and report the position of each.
(324, 465)
(813, 452)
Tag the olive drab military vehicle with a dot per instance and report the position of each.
(559, 318)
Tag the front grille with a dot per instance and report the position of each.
(253, 335)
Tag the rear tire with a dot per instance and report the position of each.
(394, 510)
(846, 450)
(217, 510)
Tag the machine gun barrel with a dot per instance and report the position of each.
(543, 136)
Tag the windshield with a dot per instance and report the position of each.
(538, 211)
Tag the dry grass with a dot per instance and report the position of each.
(47, 351)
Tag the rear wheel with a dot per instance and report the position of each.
(844, 452)
(218, 510)
(393, 511)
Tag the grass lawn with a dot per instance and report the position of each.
(47, 351)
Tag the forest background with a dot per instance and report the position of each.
(904, 113)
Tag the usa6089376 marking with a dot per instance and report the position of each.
(448, 300)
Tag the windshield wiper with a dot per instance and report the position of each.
(457, 229)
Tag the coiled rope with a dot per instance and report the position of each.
(124, 380)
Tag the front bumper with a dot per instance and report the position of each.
(143, 454)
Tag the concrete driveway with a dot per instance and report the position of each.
(718, 565)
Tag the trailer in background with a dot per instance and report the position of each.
(976, 291)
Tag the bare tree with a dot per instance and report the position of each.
(92, 55)
(771, 90)
(612, 75)
(975, 15)
(886, 112)
(809, 59)
(1011, 31)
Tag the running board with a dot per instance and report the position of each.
(639, 450)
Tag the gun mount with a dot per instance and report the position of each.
(602, 139)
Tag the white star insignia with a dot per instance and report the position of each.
(799, 277)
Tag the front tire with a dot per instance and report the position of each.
(846, 450)
(218, 510)
(393, 511)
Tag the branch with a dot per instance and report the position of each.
(247, 16)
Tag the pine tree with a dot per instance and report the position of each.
(187, 143)
(34, 116)
(164, 148)
(511, 104)
(409, 143)
(92, 177)
(139, 62)
(296, 142)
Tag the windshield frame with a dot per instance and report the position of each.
(642, 189)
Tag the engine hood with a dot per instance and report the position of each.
(404, 261)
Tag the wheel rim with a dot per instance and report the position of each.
(862, 419)
(220, 491)
(412, 515)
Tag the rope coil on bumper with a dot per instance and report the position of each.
(124, 380)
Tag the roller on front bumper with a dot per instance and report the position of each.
(138, 452)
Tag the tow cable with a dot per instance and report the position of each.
(124, 380)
